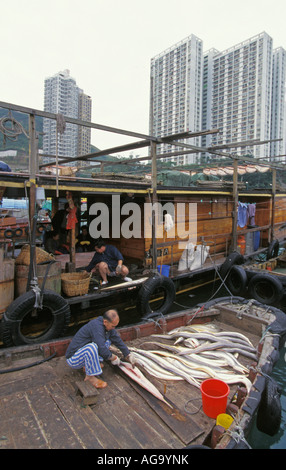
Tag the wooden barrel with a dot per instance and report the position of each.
(6, 282)
(53, 279)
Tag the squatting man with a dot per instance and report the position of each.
(90, 346)
(108, 261)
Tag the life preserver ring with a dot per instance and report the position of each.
(273, 249)
(54, 306)
(161, 285)
(237, 280)
(232, 259)
(265, 288)
(269, 411)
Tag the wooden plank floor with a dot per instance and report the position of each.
(41, 409)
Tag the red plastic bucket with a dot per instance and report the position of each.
(214, 397)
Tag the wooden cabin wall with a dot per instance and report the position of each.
(131, 248)
(280, 217)
(214, 226)
(262, 215)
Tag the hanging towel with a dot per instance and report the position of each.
(242, 214)
(251, 213)
(71, 218)
(169, 223)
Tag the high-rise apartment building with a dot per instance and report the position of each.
(242, 94)
(207, 97)
(84, 133)
(278, 112)
(63, 96)
(241, 99)
(176, 88)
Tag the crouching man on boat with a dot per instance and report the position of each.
(108, 261)
(90, 346)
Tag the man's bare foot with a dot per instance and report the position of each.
(97, 383)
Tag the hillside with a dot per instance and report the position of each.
(22, 143)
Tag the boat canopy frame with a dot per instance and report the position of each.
(145, 141)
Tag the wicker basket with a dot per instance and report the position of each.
(41, 256)
(75, 283)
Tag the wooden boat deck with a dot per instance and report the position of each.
(42, 409)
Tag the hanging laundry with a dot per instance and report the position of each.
(251, 208)
(242, 214)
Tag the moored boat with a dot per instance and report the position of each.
(203, 226)
(52, 391)
(262, 278)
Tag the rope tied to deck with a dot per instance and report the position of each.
(61, 123)
(223, 281)
(38, 293)
(238, 435)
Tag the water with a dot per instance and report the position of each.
(256, 439)
(259, 440)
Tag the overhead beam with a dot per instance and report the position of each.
(45, 114)
(189, 152)
(132, 146)
(121, 148)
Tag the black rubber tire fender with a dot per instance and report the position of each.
(232, 259)
(149, 288)
(9, 233)
(18, 232)
(265, 288)
(22, 306)
(268, 417)
(40, 228)
(273, 249)
(237, 280)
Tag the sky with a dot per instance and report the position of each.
(108, 45)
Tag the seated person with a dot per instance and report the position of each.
(52, 244)
(108, 261)
(84, 241)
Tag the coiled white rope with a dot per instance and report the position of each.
(10, 128)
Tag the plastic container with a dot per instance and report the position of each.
(214, 397)
(241, 244)
(256, 240)
(224, 420)
(165, 269)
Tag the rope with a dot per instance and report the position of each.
(37, 291)
(11, 129)
(238, 435)
(15, 369)
(222, 280)
(61, 123)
